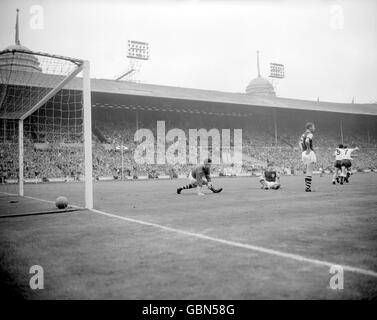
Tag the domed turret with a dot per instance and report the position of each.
(260, 85)
(19, 61)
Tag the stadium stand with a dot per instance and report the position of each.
(259, 147)
(271, 127)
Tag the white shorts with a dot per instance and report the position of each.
(271, 184)
(192, 180)
(308, 158)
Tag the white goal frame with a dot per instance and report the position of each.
(84, 67)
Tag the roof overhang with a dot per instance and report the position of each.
(188, 94)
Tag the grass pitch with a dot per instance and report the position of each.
(147, 242)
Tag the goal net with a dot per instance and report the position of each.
(45, 123)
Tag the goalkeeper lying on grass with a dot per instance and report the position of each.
(270, 178)
(198, 177)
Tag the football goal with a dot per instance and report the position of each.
(45, 121)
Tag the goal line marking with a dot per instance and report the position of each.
(242, 245)
(69, 209)
(226, 242)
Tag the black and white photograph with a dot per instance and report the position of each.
(202, 152)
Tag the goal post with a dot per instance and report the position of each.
(21, 157)
(45, 100)
(87, 136)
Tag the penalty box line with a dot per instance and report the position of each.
(242, 245)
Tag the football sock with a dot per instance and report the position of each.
(188, 186)
(308, 183)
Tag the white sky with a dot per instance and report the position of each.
(328, 47)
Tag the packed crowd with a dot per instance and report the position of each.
(40, 163)
(259, 147)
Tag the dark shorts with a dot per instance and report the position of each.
(338, 164)
(346, 163)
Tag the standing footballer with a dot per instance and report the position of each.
(339, 154)
(308, 156)
(346, 164)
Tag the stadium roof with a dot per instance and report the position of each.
(188, 94)
(158, 91)
(259, 92)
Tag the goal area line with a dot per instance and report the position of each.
(243, 245)
(40, 213)
(22, 206)
(240, 245)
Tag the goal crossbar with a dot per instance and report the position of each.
(16, 71)
(37, 53)
(28, 81)
(49, 95)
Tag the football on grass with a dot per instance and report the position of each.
(61, 202)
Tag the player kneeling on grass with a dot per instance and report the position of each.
(198, 177)
(270, 178)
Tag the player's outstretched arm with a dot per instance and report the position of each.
(199, 190)
(200, 183)
(208, 177)
(212, 188)
(300, 145)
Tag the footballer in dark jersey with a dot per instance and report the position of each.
(270, 178)
(198, 177)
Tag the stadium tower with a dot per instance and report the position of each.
(19, 61)
(260, 85)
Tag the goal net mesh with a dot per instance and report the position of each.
(46, 92)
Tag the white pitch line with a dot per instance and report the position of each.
(49, 201)
(243, 245)
(227, 242)
(9, 194)
(43, 200)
